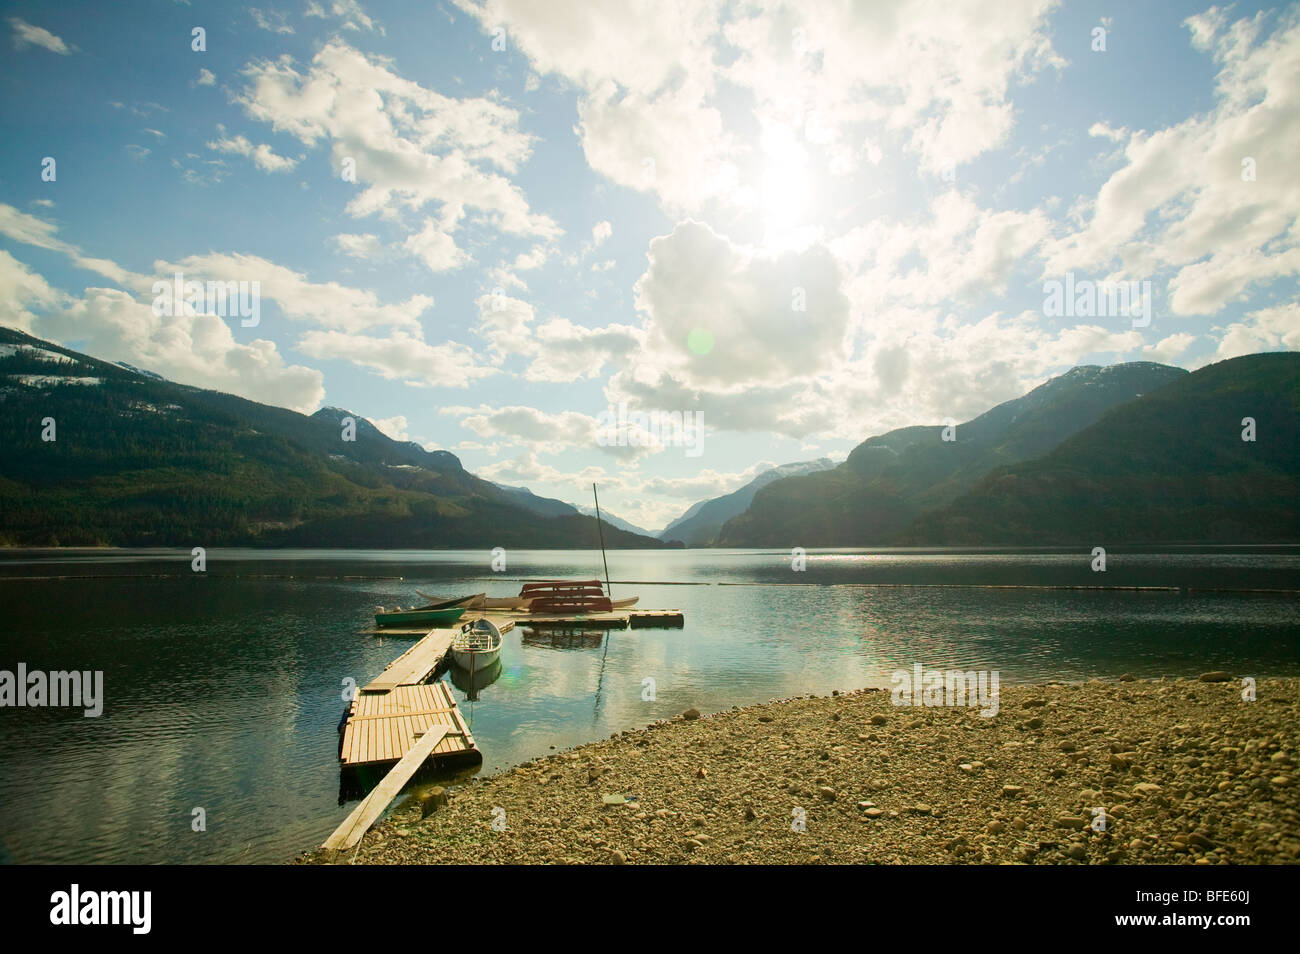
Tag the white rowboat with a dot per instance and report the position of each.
(477, 646)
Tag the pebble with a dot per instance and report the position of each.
(1192, 775)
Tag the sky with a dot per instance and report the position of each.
(489, 225)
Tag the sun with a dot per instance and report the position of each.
(785, 193)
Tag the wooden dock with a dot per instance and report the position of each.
(415, 665)
(618, 619)
(508, 619)
(372, 806)
(401, 719)
(383, 727)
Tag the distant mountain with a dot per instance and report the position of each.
(141, 461)
(550, 507)
(1168, 467)
(613, 520)
(543, 506)
(699, 525)
(890, 480)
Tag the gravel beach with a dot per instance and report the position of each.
(1164, 771)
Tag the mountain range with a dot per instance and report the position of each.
(550, 507)
(98, 453)
(700, 524)
(888, 481)
(1213, 456)
(137, 460)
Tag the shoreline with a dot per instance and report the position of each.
(1150, 771)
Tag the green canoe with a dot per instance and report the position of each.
(431, 616)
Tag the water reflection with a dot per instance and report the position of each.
(473, 683)
(561, 638)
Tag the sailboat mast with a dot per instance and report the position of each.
(600, 530)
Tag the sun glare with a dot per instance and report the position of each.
(786, 192)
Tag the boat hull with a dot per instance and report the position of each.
(473, 661)
(440, 602)
(433, 617)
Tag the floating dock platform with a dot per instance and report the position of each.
(383, 726)
(397, 707)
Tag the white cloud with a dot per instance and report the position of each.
(410, 146)
(22, 290)
(31, 230)
(270, 20)
(558, 350)
(505, 323)
(527, 469)
(434, 246)
(351, 14)
(394, 427)
(960, 251)
(328, 304)
(1170, 348)
(197, 350)
(206, 77)
(1268, 329)
(25, 35)
(262, 155)
(400, 355)
(364, 246)
(540, 430)
(563, 351)
(768, 317)
(939, 80)
(704, 484)
(649, 115)
(671, 144)
(1183, 199)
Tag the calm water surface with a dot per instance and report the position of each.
(223, 691)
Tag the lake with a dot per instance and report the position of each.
(223, 690)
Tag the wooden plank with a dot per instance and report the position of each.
(459, 719)
(383, 726)
(373, 805)
(416, 664)
(404, 712)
